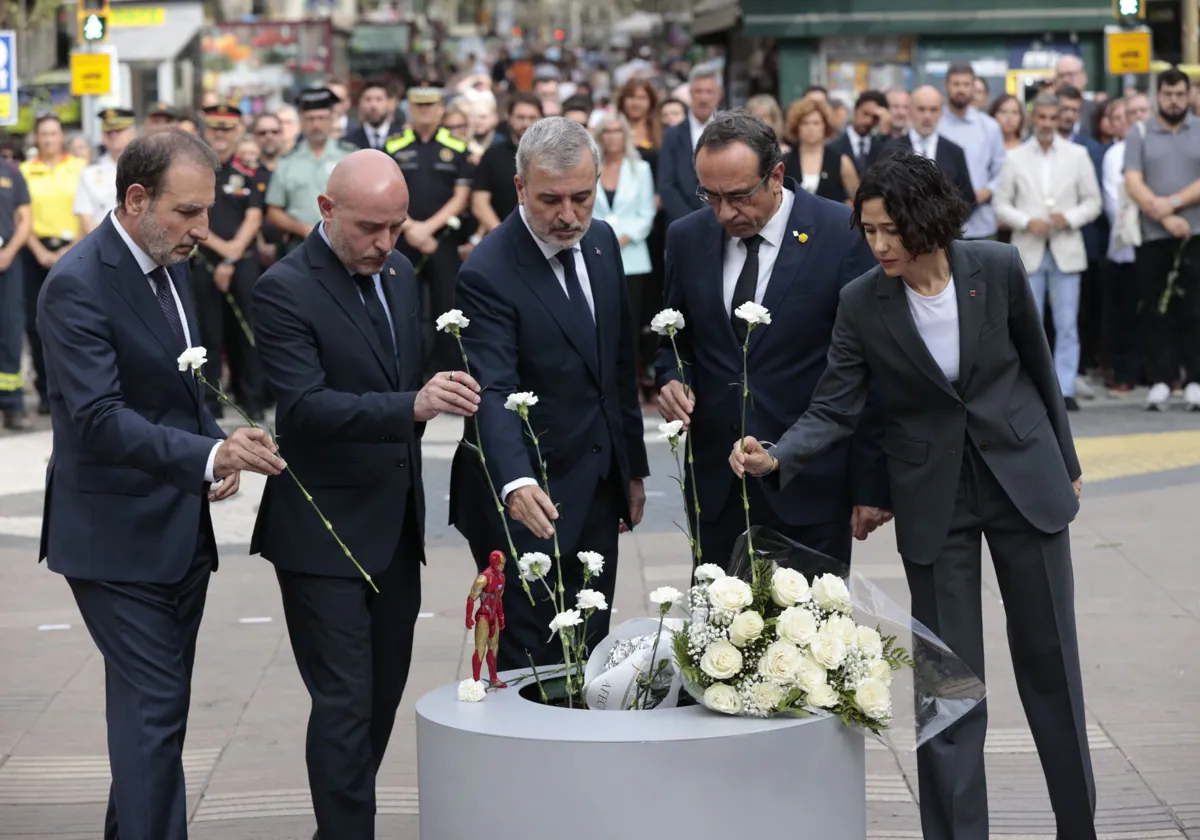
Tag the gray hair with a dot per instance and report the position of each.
(555, 145)
(1047, 100)
(606, 118)
(704, 71)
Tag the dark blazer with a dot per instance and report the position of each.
(677, 182)
(951, 160)
(843, 145)
(522, 338)
(1096, 233)
(345, 422)
(830, 185)
(1007, 403)
(125, 487)
(785, 362)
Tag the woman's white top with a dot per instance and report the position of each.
(810, 183)
(936, 319)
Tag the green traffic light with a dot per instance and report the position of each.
(94, 27)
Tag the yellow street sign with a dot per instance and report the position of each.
(137, 16)
(91, 74)
(1129, 52)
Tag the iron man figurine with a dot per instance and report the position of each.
(489, 618)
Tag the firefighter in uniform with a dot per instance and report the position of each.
(16, 223)
(226, 265)
(439, 177)
(97, 194)
(302, 173)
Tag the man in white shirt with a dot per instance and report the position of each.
(676, 170)
(97, 192)
(137, 460)
(1047, 193)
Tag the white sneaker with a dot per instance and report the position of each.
(1084, 389)
(1158, 397)
(1192, 394)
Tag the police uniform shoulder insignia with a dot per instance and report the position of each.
(399, 141)
(451, 142)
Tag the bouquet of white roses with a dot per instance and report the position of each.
(776, 645)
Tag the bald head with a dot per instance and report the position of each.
(364, 207)
(925, 109)
(1069, 72)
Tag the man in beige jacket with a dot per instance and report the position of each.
(1048, 191)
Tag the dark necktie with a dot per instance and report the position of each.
(166, 302)
(383, 330)
(579, 304)
(864, 151)
(747, 285)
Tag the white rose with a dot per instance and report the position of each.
(566, 619)
(722, 698)
(706, 572)
(843, 627)
(830, 593)
(670, 431)
(797, 625)
(665, 596)
(753, 313)
(766, 695)
(721, 661)
(471, 691)
(667, 322)
(822, 696)
(746, 627)
(533, 565)
(729, 593)
(590, 599)
(874, 698)
(193, 358)
(809, 674)
(879, 669)
(788, 588)
(593, 560)
(781, 662)
(869, 642)
(828, 650)
(452, 321)
(520, 400)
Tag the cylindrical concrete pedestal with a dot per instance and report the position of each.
(512, 769)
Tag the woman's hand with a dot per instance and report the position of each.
(749, 457)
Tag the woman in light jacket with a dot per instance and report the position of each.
(625, 200)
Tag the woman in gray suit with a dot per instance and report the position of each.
(978, 445)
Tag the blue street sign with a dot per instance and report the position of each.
(8, 77)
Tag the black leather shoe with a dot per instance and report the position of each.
(1072, 403)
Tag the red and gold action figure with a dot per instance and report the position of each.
(489, 619)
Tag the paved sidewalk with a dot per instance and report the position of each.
(1138, 602)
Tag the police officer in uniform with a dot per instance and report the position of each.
(16, 223)
(303, 172)
(226, 264)
(439, 177)
(97, 195)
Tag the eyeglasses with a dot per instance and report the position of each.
(455, 126)
(733, 199)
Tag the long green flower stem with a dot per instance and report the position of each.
(562, 590)
(1171, 290)
(646, 681)
(308, 496)
(233, 304)
(693, 531)
(512, 549)
(742, 440)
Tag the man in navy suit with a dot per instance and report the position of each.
(339, 334)
(545, 294)
(767, 241)
(676, 172)
(137, 460)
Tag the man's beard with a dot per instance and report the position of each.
(961, 101)
(1173, 118)
(353, 261)
(159, 246)
(548, 235)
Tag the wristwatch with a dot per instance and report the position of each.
(767, 447)
(1176, 202)
(228, 261)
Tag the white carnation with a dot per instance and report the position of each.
(593, 560)
(874, 698)
(830, 593)
(766, 696)
(788, 588)
(797, 625)
(721, 661)
(828, 650)
(670, 431)
(809, 674)
(568, 618)
(664, 596)
(590, 599)
(520, 400)
(781, 662)
(730, 593)
(723, 698)
(452, 321)
(708, 572)
(869, 642)
(667, 322)
(471, 691)
(753, 313)
(822, 696)
(746, 627)
(193, 358)
(533, 565)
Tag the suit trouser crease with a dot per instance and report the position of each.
(1063, 289)
(353, 649)
(147, 634)
(1033, 570)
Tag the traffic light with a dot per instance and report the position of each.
(1129, 9)
(92, 17)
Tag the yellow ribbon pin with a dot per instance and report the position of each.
(802, 237)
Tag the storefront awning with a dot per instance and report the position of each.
(154, 33)
(714, 16)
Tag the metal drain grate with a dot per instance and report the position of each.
(389, 801)
(72, 780)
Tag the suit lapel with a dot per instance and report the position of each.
(793, 254)
(971, 292)
(893, 307)
(336, 279)
(710, 280)
(540, 278)
(395, 280)
(182, 281)
(608, 323)
(625, 184)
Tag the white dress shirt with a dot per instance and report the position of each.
(147, 264)
(773, 234)
(936, 319)
(1112, 180)
(926, 147)
(860, 145)
(1048, 158)
(697, 128)
(550, 252)
(377, 135)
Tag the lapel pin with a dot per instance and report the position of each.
(597, 251)
(392, 272)
(972, 293)
(801, 237)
